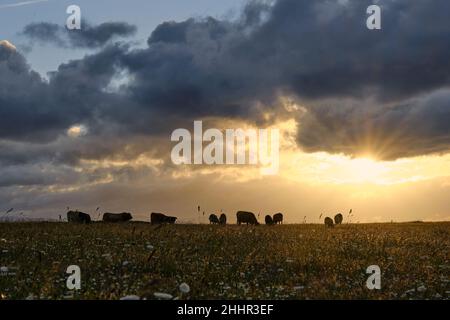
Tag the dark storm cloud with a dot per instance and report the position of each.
(310, 49)
(26, 109)
(33, 109)
(410, 128)
(320, 53)
(88, 37)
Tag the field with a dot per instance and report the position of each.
(225, 262)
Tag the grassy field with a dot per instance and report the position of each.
(225, 262)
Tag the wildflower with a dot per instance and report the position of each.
(421, 289)
(131, 297)
(162, 295)
(184, 288)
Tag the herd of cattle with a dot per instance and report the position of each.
(159, 218)
(81, 217)
(337, 220)
(247, 218)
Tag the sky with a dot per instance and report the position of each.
(86, 116)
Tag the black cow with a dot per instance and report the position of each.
(246, 217)
(223, 218)
(117, 217)
(269, 220)
(159, 218)
(78, 217)
(329, 222)
(338, 218)
(278, 218)
(213, 219)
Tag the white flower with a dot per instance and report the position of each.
(4, 269)
(184, 288)
(410, 291)
(162, 295)
(150, 247)
(107, 256)
(131, 297)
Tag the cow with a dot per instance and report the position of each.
(160, 218)
(213, 219)
(338, 218)
(246, 217)
(117, 217)
(278, 218)
(223, 218)
(329, 222)
(269, 220)
(78, 217)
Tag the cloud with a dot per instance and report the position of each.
(8, 45)
(20, 4)
(413, 127)
(88, 37)
(362, 91)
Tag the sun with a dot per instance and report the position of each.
(365, 170)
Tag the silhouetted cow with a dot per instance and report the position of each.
(329, 222)
(278, 218)
(246, 217)
(269, 220)
(117, 217)
(213, 219)
(223, 218)
(78, 217)
(338, 218)
(159, 218)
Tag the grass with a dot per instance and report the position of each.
(225, 262)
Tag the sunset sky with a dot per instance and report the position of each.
(364, 115)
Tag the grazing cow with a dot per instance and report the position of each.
(246, 217)
(78, 217)
(278, 218)
(117, 217)
(213, 219)
(269, 220)
(159, 218)
(329, 222)
(338, 218)
(223, 218)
